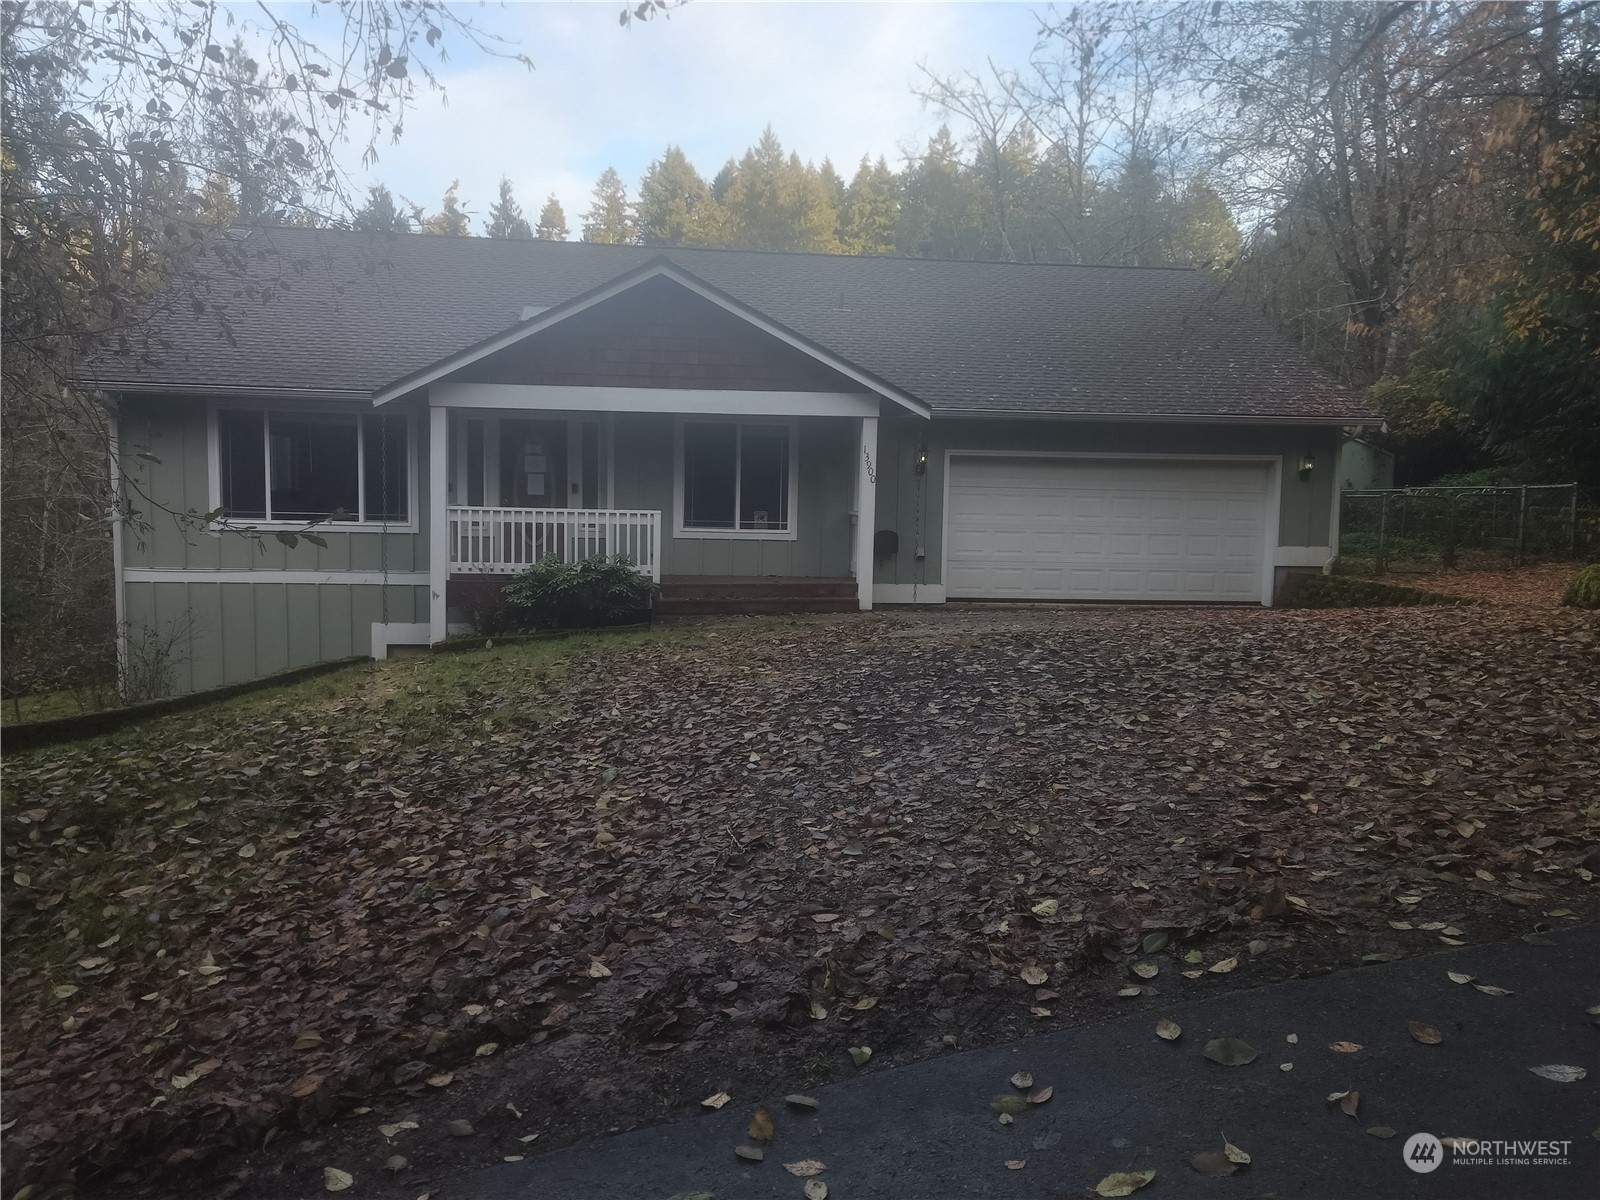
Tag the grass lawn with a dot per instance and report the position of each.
(588, 879)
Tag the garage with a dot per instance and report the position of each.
(1062, 527)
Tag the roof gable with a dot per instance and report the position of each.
(660, 284)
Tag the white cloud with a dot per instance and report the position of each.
(834, 80)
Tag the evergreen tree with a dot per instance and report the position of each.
(1205, 233)
(505, 216)
(870, 210)
(449, 221)
(776, 202)
(380, 214)
(941, 204)
(609, 219)
(672, 201)
(552, 225)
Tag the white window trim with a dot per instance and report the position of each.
(679, 530)
(214, 470)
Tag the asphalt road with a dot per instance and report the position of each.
(1125, 1100)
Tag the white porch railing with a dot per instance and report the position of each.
(501, 541)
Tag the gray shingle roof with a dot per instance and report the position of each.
(363, 310)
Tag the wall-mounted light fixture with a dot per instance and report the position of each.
(922, 459)
(1308, 462)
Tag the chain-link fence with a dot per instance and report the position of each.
(1426, 529)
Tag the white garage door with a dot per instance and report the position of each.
(1105, 529)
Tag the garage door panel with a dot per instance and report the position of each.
(1065, 528)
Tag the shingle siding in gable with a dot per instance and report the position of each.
(658, 335)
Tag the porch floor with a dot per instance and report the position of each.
(686, 595)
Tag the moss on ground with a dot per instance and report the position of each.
(1343, 591)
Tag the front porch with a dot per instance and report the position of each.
(738, 502)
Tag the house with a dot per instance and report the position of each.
(1364, 467)
(754, 429)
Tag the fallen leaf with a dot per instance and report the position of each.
(1223, 967)
(1130, 991)
(1426, 1034)
(1146, 970)
(1034, 975)
(1041, 1095)
(1046, 908)
(743, 938)
(805, 1168)
(1016, 1164)
(598, 970)
(443, 1079)
(460, 1128)
(1286, 1066)
(1009, 1103)
(715, 1100)
(1458, 977)
(860, 1054)
(750, 1153)
(1194, 956)
(1007, 1119)
(818, 1012)
(1123, 1183)
(1559, 1073)
(824, 918)
(761, 1126)
(815, 1189)
(1168, 1030)
(1257, 947)
(1489, 990)
(1345, 1047)
(1230, 1052)
(1213, 1162)
(308, 1041)
(1023, 1080)
(389, 1131)
(1381, 1131)
(396, 1163)
(865, 1003)
(336, 1180)
(485, 1050)
(800, 1101)
(1347, 1101)
(1235, 1155)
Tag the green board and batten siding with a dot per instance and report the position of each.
(240, 630)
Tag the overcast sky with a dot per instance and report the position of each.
(833, 80)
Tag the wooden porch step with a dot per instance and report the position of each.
(770, 605)
(756, 587)
(690, 595)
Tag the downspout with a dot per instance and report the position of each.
(115, 520)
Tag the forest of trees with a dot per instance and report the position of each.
(1409, 190)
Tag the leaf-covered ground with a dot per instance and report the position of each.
(359, 895)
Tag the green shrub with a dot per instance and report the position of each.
(1584, 590)
(581, 595)
(1339, 591)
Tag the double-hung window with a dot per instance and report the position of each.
(737, 478)
(306, 467)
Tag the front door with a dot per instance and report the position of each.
(533, 463)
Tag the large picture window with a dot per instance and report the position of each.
(305, 467)
(736, 477)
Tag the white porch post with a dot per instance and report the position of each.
(438, 521)
(866, 509)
